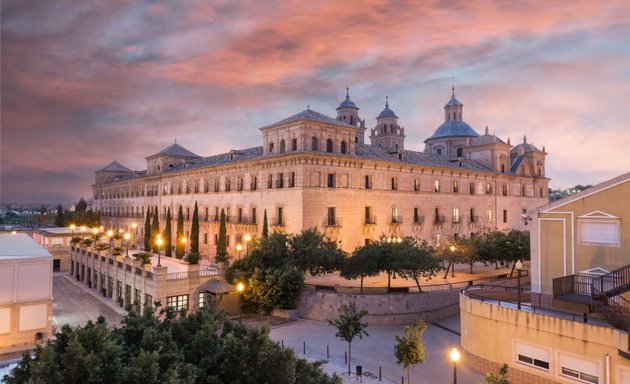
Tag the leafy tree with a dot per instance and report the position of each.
(155, 229)
(409, 349)
(222, 254)
(265, 228)
(310, 251)
(516, 247)
(390, 257)
(349, 326)
(362, 263)
(147, 230)
(417, 262)
(179, 234)
(60, 218)
(81, 205)
(274, 288)
(192, 258)
(501, 378)
(168, 234)
(194, 231)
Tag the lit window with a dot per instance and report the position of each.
(436, 186)
(177, 302)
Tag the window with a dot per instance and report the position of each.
(216, 214)
(294, 144)
(504, 189)
(604, 232)
(533, 356)
(471, 188)
(502, 168)
(137, 300)
(368, 182)
(282, 146)
(540, 192)
(395, 217)
(344, 147)
(271, 147)
(472, 218)
(436, 216)
(331, 180)
(239, 217)
(455, 186)
(253, 215)
(206, 214)
(269, 181)
(205, 238)
(228, 185)
(280, 218)
(216, 185)
(178, 302)
(416, 185)
(329, 146)
(314, 144)
(488, 188)
(368, 216)
(416, 216)
(460, 152)
(578, 369)
(292, 180)
(332, 216)
(522, 190)
(394, 184)
(456, 215)
(436, 186)
(187, 214)
(254, 183)
(438, 151)
(489, 214)
(505, 215)
(239, 184)
(280, 181)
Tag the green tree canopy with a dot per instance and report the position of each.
(501, 378)
(168, 234)
(194, 231)
(362, 263)
(155, 229)
(349, 325)
(310, 251)
(222, 253)
(147, 230)
(417, 261)
(179, 234)
(409, 349)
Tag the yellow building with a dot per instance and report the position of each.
(576, 328)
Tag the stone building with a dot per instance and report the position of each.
(313, 170)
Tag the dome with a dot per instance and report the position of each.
(386, 112)
(347, 103)
(526, 148)
(454, 128)
(454, 101)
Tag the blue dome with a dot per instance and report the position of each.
(454, 128)
(386, 113)
(347, 103)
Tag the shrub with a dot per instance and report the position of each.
(101, 246)
(87, 242)
(145, 257)
(117, 251)
(193, 258)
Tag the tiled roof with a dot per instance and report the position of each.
(516, 163)
(454, 128)
(486, 139)
(309, 114)
(454, 101)
(175, 150)
(527, 147)
(115, 166)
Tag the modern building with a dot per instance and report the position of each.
(576, 329)
(131, 283)
(57, 242)
(25, 293)
(313, 170)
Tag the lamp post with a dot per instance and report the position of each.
(184, 241)
(454, 354)
(110, 233)
(127, 237)
(453, 249)
(159, 242)
(95, 233)
(72, 226)
(248, 238)
(134, 232)
(519, 267)
(239, 248)
(240, 288)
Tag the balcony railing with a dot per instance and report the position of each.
(418, 220)
(332, 222)
(473, 219)
(370, 220)
(439, 219)
(396, 220)
(278, 222)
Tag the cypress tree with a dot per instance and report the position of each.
(179, 234)
(194, 231)
(147, 230)
(59, 219)
(155, 229)
(222, 240)
(265, 229)
(168, 246)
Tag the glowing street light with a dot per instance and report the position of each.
(248, 238)
(240, 288)
(127, 237)
(184, 241)
(519, 267)
(454, 354)
(159, 242)
(239, 248)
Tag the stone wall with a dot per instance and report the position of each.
(383, 309)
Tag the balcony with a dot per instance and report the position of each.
(370, 221)
(396, 220)
(331, 222)
(278, 222)
(473, 219)
(418, 220)
(439, 219)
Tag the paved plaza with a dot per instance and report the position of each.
(377, 350)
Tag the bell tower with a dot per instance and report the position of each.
(348, 112)
(387, 133)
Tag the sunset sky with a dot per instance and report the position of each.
(86, 82)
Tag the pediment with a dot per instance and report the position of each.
(598, 215)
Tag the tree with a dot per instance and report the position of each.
(222, 254)
(501, 378)
(417, 262)
(362, 263)
(194, 231)
(81, 205)
(310, 251)
(155, 229)
(274, 288)
(179, 235)
(59, 219)
(349, 326)
(147, 230)
(168, 234)
(265, 228)
(409, 349)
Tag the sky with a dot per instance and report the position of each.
(87, 82)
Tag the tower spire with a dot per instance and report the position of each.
(386, 101)
(347, 92)
(453, 86)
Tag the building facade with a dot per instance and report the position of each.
(25, 293)
(313, 170)
(57, 242)
(576, 330)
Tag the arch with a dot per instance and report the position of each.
(396, 145)
(271, 147)
(356, 139)
(351, 120)
(438, 151)
(329, 146)
(282, 146)
(460, 152)
(344, 147)
(314, 144)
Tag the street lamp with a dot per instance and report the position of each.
(159, 242)
(519, 267)
(83, 232)
(248, 238)
(127, 237)
(184, 241)
(95, 233)
(239, 248)
(240, 288)
(110, 233)
(72, 226)
(453, 249)
(133, 230)
(454, 354)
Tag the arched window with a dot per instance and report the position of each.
(271, 147)
(351, 120)
(438, 151)
(294, 144)
(356, 139)
(396, 146)
(329, 146)
(344, 148)
(460, 152)
(314, 144)
(282, 146)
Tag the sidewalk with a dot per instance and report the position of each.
(95, 294)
